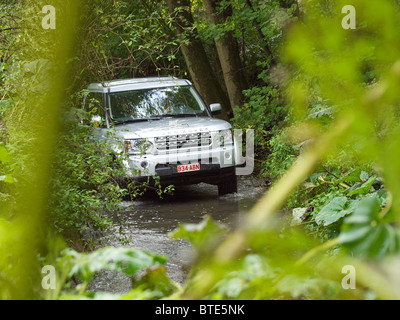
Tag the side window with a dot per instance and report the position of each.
(94, 106)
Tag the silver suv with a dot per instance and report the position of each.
(166, 130)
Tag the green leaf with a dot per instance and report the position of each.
(254, 271)
(364, 188)
(355, 175)
(123, 259)
(200, 234)
(366, 234)
(314, 177)
(364, 176)
(338, 208)
(157, 282)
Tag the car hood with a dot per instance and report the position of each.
(170, 126)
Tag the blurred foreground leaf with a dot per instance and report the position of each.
(126, 260)
(366, 233)
(199, 235)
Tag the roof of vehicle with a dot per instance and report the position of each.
(137, 83)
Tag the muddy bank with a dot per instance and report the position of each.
(146, 222)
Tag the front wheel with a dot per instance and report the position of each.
(228, 186)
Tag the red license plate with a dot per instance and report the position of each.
(188, 167)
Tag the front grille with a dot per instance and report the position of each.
(188, 140)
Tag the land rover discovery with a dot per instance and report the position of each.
(166, 130)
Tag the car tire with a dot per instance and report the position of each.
(228, 186)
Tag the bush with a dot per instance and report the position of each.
(84, 194)
(264, 112)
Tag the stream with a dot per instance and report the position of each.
(147, 221)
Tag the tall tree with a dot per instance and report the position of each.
(261, 36)
(195, 56)
(228, 53)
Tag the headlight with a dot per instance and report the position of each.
(224, 138)
(138, 146)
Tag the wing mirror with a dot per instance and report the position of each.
(215, 108)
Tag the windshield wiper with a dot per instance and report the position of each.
(136, 120)
(179, 115)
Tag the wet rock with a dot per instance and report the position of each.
(300, 214)
(297, 214)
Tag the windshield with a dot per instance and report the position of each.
(155, 103)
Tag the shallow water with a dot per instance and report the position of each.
(146, 222)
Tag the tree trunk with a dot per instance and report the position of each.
(228, 53)
(196, 58)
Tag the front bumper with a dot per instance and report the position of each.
(208, 173)
(215, 166)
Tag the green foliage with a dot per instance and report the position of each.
(200, 235)
(339, 142)
(344, 192)
(6, 178)
(4, 159)
(126, 260)
(126, 39)
(83, 193)
(364, 188)
(256, 279)
(335, 194)
(254, 271)
(265, 113)
(344, 93)
(369, 233)
(83, 268)
(265, 271)
(338, 208)
(282, 155)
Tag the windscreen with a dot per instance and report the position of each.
(155, 103)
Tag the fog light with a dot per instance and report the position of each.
(144, 164)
